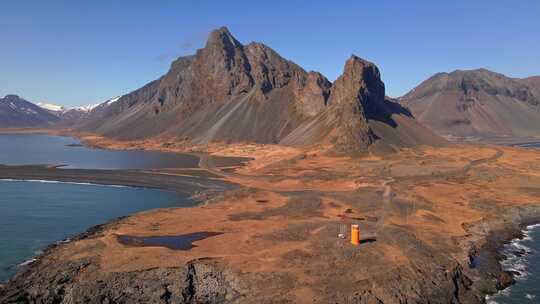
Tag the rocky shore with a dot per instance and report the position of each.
(485, 257)
(52, 280)
(431, 235)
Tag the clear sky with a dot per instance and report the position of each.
(82, 52)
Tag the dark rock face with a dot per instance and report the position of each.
(206, 282)
(343, 121)
(357, 116)
(16, 112)
(313, 96)
(533, 83)
(477, 103)
(231, 92)
(352, 93)
(72, 285)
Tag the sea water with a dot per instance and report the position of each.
(33, 149)
(36, 214)
(523, 257)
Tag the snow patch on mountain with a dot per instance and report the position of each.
(112, 100)
(87, 108)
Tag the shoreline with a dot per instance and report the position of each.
(502, 228)
(155, 179)
(205, 192)
(197, 188)
(510, 260)
(492, 247)
(489, 257)
(48, 181)
(28, 264)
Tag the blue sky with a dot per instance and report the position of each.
(82, 52)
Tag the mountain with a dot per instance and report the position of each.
(16, 112)
(478, 103)
(358, 115)
(230, 92)
(76, 115)
(532, 82)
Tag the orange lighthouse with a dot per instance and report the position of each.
(355, 235)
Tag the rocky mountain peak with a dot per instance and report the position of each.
(353, 94)
(17, 112)
(222, 37)
(360, 83)
(269, 70)
(223, 65)
(10, 98)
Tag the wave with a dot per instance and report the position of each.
(516, 260)
(39, 252)
(59, 182)
(515, 255)
(532, 227)
(27, 262)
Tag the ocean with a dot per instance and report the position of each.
(32, 149)
(36, 214)
(522, 256)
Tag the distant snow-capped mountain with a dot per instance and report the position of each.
(74, 115)
(87, 108)
(16, 112)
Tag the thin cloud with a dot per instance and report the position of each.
(187, 46)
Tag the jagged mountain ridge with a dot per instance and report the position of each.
(77, 115)
(16, 112)
(229, 92)
(228, 80)
(478, 103)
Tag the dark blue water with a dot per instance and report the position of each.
(523, 256)
(36, 214)
(534, 145)
(29, 149)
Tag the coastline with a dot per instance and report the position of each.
(198, 186)
(483, 280)
(493, 277)
(487, 258)
(59, 182)
(511, 255)
(157, 179)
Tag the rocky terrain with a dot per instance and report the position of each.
(532, 82)
(230, 92)
(431, 220)
(16, 112)
(477, 103)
